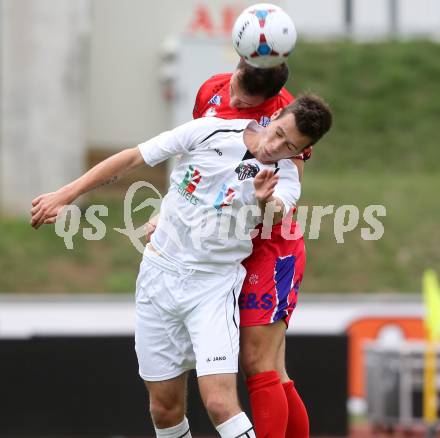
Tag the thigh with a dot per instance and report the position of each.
(270, 289)
(260, 347)
(162, 342)
(214, 324)
(281, 362)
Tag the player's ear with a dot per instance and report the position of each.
(275, 114)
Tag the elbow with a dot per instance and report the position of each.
(134, 158)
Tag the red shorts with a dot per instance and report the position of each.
(274, 274)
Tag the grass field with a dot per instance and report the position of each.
(39, 261)
(384, 99)
(383, 149)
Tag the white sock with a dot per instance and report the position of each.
(179, 431)
(235, 427)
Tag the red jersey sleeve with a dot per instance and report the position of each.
(197, 104)
(285, 97)
(210, 87)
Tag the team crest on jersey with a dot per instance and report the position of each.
(264, 121)
(246, 170)
(215, 100)
(224, 198)
(189, 184)
(211, 112)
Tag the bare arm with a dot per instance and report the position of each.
(45, 208)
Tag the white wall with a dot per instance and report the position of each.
(23, 316)
(126, 103)
(42, 88)
(44, 51)
(417, 16)
(371, 17)
(317, 17)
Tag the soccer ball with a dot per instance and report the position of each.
(264, 35)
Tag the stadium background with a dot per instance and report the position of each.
(376, 62)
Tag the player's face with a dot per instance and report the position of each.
(238, 98)
(281, 139)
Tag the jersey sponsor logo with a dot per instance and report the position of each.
(211, 112)
(215, 100)
(246, 170)
(189, 184)
(264, 121)
(250, 302)
(224, 198)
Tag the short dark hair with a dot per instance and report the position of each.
(265, 82)
(313, 116)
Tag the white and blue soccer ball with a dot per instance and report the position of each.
(264, 35)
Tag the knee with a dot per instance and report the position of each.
(253, 362)
(284, 377)
(166, 414)
(219, 408)
(249, 362)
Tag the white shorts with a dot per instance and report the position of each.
(185, 320)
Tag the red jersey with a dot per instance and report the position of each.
(213, 100)
(263, 298)
(214, 96)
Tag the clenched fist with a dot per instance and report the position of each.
(45, 208)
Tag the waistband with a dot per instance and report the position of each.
(160, 261)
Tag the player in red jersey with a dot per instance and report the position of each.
(248, 93)
(274, 269)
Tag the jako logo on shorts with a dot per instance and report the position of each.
(189, 184)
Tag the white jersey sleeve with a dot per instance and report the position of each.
(178, 141)
(288, 188)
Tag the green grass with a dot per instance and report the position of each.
(37, 261)
(385, 102)
(383, 149)
(409, 245)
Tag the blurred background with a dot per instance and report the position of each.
(80, 80)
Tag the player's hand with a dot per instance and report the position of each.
(264, 183)
(150, 227)
(45, 208)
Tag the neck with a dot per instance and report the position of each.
(250, 139)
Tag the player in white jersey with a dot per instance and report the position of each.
(190, 277)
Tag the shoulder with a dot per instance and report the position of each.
(219, 124)
(282, 99)
(285, 97)
(204, 127)
(207, 90)
(216, 81)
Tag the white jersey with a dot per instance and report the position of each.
(210, 208)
